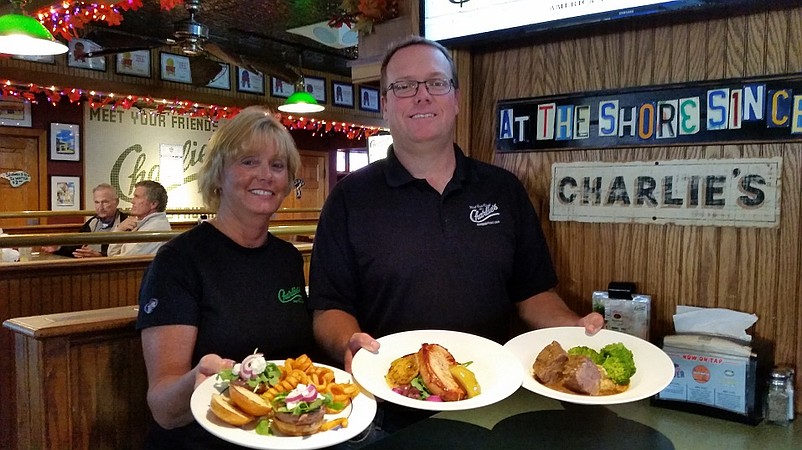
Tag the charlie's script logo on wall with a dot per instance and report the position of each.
(712, 112)
(124, 147)
(717, 192)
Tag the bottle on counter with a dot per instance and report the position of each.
(778, 400)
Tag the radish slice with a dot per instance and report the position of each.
(302, 393)
(252, 365)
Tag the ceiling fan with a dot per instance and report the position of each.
(192, 38)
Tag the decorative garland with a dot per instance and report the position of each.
(363, 15)
(66, 18)
(149, 105)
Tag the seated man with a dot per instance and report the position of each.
(147, 214)
(107, 217)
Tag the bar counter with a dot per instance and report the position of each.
(526, 420)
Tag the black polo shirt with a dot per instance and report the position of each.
(398, 255)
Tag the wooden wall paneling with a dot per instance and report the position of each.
(611, 79)
(567, 247)
(552, 83)
(110, 408)
(788, 262)
(767, 297)
(463, 62)
(485, 88)
(96, 398)
(697, 41)
(588, 78)
(15, 413)
(646, 57)
(536, 56)
(735, 47)
(597, 59)
(680, 49)
(767, 263)
(730, 245)
(729, 249)
(716, 48)
(663, 49)
(790, 286)
(794, 63)
(777, 40)
(56, 385)
(628, 65)
(756, 44)
(715, 64)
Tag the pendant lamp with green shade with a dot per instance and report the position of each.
(24, 35)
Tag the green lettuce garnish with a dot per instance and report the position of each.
(270, 376)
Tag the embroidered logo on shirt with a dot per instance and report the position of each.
(151, 305)
(292, 295)
(482, 214)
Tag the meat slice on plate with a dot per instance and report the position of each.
(434, 362)
(582, 375)
(548, 366)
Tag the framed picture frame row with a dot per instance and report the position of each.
(176, 68)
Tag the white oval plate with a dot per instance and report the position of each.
(497, 370)
(360, 414)
(655, 370)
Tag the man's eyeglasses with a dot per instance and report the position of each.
(409, 88)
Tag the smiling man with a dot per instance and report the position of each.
(429, 238)
(147, 214)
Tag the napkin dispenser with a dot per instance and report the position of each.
(717, 376)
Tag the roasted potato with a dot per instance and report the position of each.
(402, 370)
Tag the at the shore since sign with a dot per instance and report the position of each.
(716, 192)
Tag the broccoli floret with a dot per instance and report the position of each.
(618, 363)
(582, 350)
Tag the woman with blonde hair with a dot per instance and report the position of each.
(227, 286)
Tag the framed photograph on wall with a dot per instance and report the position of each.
(134, 63)
(15, 112)
(65, 142)
(248, 81)
(316, 87)
(76, 57)
(223, 79)
(65, 193)
(44, 59)
(280, 88)
(175, 68)
(343, 94)
(368, 99)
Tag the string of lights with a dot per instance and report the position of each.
(35, 93)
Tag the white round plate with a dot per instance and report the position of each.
(497, 371)
(360, 414)
(654, 369)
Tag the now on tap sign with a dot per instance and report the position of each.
(720, 192)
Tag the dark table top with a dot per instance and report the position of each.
(527, 420)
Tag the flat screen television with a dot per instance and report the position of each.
(466, 22)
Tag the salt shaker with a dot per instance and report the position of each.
(789, 388)
(777, 398)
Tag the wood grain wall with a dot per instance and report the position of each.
(747, 269)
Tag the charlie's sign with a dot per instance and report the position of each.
(725, 111)
(719, 192)
(124, 147)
